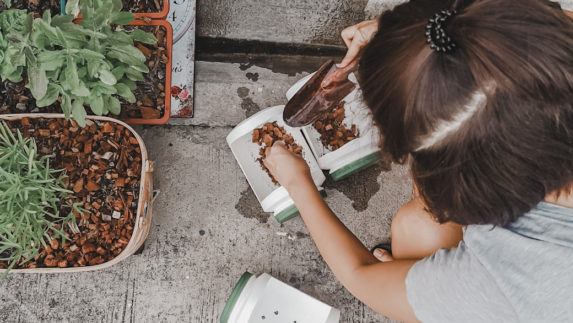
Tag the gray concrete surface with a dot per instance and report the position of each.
(208, 227)
(294, 21)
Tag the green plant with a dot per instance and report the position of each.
(8, 3)
(88, 63)
(29, 199)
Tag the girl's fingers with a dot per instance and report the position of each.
(353, 50)
(348, 33)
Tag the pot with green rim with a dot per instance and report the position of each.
(265, 299)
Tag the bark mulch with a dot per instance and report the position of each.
(333, 133)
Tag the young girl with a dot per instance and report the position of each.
(476, 97)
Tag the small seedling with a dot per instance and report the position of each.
(30, 198)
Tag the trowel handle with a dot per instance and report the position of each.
(340, 74)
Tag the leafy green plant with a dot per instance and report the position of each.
(29, 198)
(8, 3)
(93, 62)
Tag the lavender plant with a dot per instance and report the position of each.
(30, 192)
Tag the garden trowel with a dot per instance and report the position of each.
(322, 93)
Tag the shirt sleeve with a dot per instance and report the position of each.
(453, 286)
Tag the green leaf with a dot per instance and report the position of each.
(93, 67)
(122, 18)
(79, 112)
(51, 96)
(71, 75)
(101, 88)
(81, 90)
(141, 68)
(134, 75)
(117, 5)
(143, 37)
(38, 82)
(66, 105)
(130, 84)
(48, 55)
(96, 105)
(125, 92)
(59, 20)
(118, 72)
(129, 55)
(114, 105)
(47, 30)
(90, 54)
(12, 20)
(107, 77)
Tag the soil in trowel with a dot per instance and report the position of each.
(333, 133)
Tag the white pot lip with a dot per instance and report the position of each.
(141, 203)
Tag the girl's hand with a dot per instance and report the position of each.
(356, 37)
(286, 167)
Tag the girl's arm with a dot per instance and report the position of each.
(379, 285)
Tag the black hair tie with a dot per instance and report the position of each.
(436, 34)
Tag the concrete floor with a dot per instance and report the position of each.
(208, 227)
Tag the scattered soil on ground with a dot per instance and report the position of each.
(102, 163)
(267, 135)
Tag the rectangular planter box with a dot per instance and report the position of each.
(143, 216)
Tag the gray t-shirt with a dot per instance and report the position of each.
(521, 273)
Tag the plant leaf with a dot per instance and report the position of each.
(122, 18)
(114, 106)
(81, 90)
(125, 92)
(66, 105)
(143, 37)
(129, 55)
(51, 96)
(79, 112)
(38, 82)
(107, 77)
(96, 105)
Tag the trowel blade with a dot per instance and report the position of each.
(312, 99)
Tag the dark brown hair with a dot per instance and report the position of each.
(505, 92)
